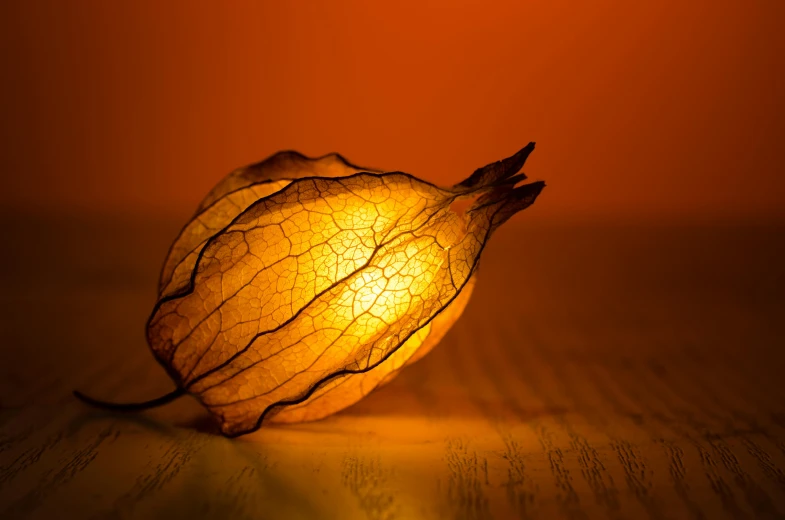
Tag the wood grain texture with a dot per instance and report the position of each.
(600, 371)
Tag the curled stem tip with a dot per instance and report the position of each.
(130, 407)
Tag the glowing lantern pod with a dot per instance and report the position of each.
(302, 284)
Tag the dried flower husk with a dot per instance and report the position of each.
(302, 284)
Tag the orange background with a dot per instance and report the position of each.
(657, 108)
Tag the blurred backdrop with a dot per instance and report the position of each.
(663, 109)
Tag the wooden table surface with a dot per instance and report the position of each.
(600, 371)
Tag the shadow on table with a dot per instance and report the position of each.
(183, 471)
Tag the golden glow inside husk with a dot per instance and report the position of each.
(302, 284)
